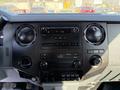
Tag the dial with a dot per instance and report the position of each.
(95, 60)
(25, 35)
(94, 34)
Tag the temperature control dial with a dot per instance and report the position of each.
(25, 35)
(94, 34)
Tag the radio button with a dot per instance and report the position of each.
(43, 65)
(68, 75)
(101, 51)
(96, 51)
(90, 51)
(77, 64)
(63, 75)
(72, 75)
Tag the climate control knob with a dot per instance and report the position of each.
(94, 34)
(25, 35)
(95, 60)
(43, 65)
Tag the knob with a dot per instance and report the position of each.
(43, 65)
(25, 35)
(94, 34)
(25, 62)
(77, 64)
(95, 60)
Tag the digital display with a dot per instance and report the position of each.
(59, 30)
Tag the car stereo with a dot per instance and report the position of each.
(59, 51)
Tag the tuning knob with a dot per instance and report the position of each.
(95, 60)
(43, 65)
(77, 64)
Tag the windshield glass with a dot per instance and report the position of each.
(61, 6)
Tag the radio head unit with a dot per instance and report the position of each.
(60, 37)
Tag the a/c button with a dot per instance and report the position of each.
(90, 51)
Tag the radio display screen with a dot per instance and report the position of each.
(59, 30)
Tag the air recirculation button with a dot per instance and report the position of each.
(94, 34)
(25, 35)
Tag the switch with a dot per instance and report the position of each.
(77, 64)
(101, 51)
(43, 65)
(90, 51)
(96, 51)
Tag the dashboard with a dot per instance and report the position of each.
(60, 47)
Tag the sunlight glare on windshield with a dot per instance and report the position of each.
(61, 6)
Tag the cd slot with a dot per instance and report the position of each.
(61, 44)
(59, 30)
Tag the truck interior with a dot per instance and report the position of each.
(59, 45)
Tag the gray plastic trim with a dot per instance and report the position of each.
(64, 17)
(12, 17)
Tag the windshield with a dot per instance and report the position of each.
(61, 6)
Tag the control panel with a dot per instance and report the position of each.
(61, 51)
(60, 37)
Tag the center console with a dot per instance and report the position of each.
(60, 51)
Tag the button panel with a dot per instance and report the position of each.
(70, 76)
(95, 51)
(64, 76)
